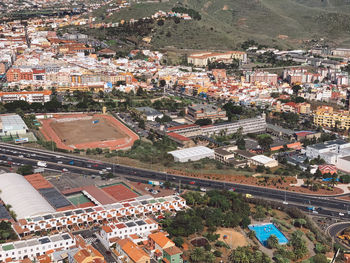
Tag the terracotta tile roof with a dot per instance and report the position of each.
(160, 239)
(134, 252)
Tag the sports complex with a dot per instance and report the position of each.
(83, 131)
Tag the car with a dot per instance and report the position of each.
(59, 162)
(20, 156)
(95, 165)
(64, 170)
(109, 168)
(285, 202)
(192, 182)
(314, 212)
(341, 214)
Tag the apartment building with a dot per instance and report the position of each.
(141, 206)
(119, 229)
(341, 52)
(327, 117)
(35, 247)
(201, 59)
(329, 151)
(28, 96)
(261, 77)
(205, 111)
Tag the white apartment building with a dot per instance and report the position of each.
(141, 227)
(329, 151)
(142, 206)
(28, 96)
(35, 247)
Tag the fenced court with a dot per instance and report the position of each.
(83, 131)
(120, 191)
(264, 231)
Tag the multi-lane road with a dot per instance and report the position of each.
(16, 154)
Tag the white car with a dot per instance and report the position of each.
(341, 214)
(285, 202)
(64, 170)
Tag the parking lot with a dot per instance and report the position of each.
(68, 180)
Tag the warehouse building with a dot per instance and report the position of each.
(22, 196)
(192, 154)
(12, 125)
(264, 161)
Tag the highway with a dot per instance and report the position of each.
(17, 155)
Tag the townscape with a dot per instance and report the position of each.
(120, 144)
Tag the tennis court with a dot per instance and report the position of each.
(120, 191)
(78, 199)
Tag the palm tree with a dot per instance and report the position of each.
(272, 241)
(197, 255)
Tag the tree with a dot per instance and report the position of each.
(162, 83)
(300, 222)
(265, 141)
(203, 122)
(320, 258)
(260, 213)
(197, 254)
(272, 241)
(240, 144)
(296, 89)
(25, 170)
(178, 241)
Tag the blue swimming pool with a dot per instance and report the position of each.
(264, 231)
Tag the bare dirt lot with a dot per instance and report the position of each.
(85, 131)
(234, 238)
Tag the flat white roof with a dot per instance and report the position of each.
(12, 123)
(191, 152)
(262, 159)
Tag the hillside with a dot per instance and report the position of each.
(227, 23)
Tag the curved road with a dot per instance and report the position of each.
(17, 155)
(334, 229)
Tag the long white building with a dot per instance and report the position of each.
(35, 247)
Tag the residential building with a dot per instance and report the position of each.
(205, 111)
(127, 251)
(158, 242)
(261, 76)
(172, 255)
(123, 230)
(344, 164)
(28, 96)
(35, 247)
(141, 206)
(325, 116)
(330, 151)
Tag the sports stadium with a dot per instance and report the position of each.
(83, 131)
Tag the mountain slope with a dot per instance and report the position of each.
(227, 23)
